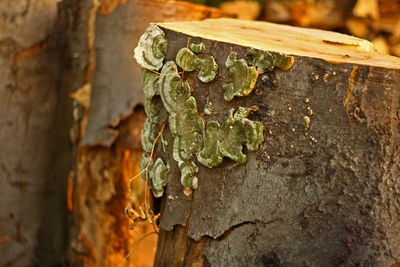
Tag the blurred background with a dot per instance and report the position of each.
(71, 114)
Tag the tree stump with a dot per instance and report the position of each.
(108, 118)
(319, 187)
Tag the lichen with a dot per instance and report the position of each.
(267, 61)
(152, 48)
(241, 80)
(188, 61)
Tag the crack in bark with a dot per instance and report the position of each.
(227, 232)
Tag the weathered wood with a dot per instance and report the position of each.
(35, 152)
(102, 35)
(323, 188)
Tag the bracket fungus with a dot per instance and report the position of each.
(209, 156)
(149, 134)
(241, 80)
(185, 123)
(150, 83)
(152, 48)
(236, 131)
(197, 48)
(159, 177)
(188, 61)
(191, 139)
(228, 139)
(267, 61)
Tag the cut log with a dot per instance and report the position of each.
(318, 187)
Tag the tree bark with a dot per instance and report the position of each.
(108, 120)
(35, 151)
(322, 189)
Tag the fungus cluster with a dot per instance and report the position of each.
(195, 142)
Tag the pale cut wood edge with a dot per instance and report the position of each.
(330, 46)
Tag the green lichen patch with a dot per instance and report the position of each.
(267, 61)
(241, 80)
(152, 48)
(188, 61)
(159, 177)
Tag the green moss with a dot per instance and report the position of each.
(188, 61)
(152, 48)
(267, 61)
(159, 177)
(241, 80)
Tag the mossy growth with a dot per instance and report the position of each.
(241, 80)
(267, 61)
(188, 61)
(152, 48)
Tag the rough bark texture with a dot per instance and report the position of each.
(35, 152)
(323, 196)
(102, 36)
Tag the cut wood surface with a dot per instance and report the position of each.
(322, 189)
(330, 46)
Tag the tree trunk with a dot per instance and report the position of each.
(108, 120)
(322, 187)
(35, 151)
